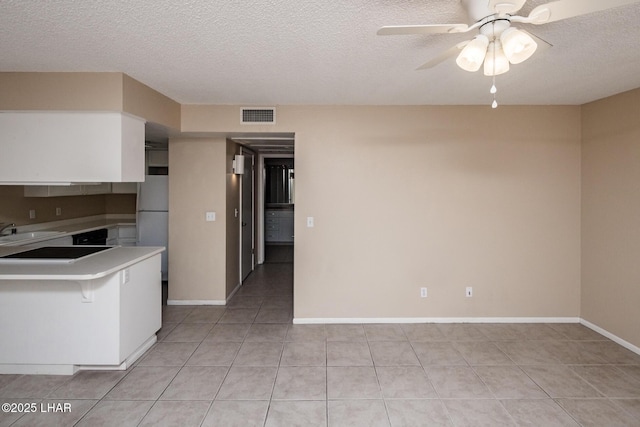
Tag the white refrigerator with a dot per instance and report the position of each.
(153, 215)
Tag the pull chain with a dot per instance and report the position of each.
(493, 89)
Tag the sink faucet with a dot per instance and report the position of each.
(5, 226)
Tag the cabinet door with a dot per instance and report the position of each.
(124, 187)
(102, 188)
(286, 227)
(272, 226)
(127, 235)
(278, 226)
(52, 190)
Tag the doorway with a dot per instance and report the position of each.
(259, 150)
(279, 195)
(276, 203)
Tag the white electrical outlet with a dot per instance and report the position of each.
(469, 292)
(32, 214)
(310, 222)
(210, 216)
(58, 211)
(423, 292)
(124, 276)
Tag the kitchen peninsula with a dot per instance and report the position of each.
(58, 316)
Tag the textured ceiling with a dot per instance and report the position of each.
(276, 52)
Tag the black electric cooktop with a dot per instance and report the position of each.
(58, 252)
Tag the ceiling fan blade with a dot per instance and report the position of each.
(504, 7)
(563, 9)
(452, 51)
(394, 30)
(543, 45)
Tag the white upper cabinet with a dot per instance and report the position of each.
(53, 147)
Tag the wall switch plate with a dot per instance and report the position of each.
(469, 292)
(310, 222)
(32, 214)
(423, 292)
(210, 216)
(58, 211)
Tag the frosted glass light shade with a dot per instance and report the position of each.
(502, 63)
(471, 57)
(518, 46)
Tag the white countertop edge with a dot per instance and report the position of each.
(147, 252)
(73, 226)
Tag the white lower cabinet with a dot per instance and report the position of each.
(127, 235)
(117, 235)
(112, 236)
(61, 325)
(122, 235)
(279, 226)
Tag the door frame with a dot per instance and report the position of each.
(247, 152)
(261, 187)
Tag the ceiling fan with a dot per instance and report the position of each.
(497, 43)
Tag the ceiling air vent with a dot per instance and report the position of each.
(257, 116)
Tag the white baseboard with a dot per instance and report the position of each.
(369, 320)
(196, 302)
(327, 320)
(67, 369)
(204, 302)
(612, 337)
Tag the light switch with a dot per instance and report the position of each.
(210, 216)
(310, 222)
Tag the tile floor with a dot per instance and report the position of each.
(247, 365)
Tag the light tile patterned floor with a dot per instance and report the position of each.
(248, 365)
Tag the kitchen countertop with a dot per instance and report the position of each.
(70, 227)
(91, 225)
(91, 267)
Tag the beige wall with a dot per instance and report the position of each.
(197, 248)
(204, 256)
(87, 91)
(611, 215)
(142, 101)
(61, 91)
(120, 203)
(442, 197)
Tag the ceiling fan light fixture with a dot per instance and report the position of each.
(495, 54)
(473, 54)
(518, 46)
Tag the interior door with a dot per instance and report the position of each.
(246, 219)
